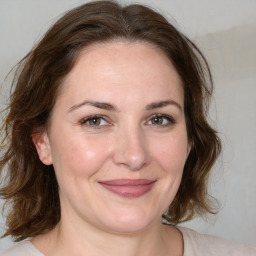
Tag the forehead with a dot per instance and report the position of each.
(133, 69)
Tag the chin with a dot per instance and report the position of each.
(131, 223)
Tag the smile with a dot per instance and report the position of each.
(129, 188)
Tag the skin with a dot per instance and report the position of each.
(127, 141)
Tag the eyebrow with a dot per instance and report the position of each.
(110, 107)
(162, 104)
(96, 104)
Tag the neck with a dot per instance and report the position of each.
(69, 238)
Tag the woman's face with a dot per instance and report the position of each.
(117, 137)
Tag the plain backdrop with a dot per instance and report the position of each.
(226, 33)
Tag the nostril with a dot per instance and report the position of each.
(132, 155)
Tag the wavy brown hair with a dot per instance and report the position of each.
(29, 187)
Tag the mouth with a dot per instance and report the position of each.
(129, 188)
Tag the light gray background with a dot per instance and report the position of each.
(226, 33)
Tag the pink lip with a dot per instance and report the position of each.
(128, 188)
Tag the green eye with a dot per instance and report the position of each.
(157, 120)
(94, 121)
(161, 120)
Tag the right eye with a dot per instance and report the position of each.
(94, 121)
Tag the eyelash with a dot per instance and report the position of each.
(85, 121)
(170, 121)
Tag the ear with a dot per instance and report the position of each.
(41, 142)
(189, 147)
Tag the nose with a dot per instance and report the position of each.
(131, 150)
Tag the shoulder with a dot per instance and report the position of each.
(196, 244)
(25, 248)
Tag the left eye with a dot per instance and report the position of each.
(94, 121)
(161, 120)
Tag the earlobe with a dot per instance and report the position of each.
(41, 142)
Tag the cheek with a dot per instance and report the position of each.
(79, 155)
(171, 152)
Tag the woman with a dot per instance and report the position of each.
(106, 135)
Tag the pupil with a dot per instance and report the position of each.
(95, 121)
(157, 120)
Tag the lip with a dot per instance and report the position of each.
(129, 188)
